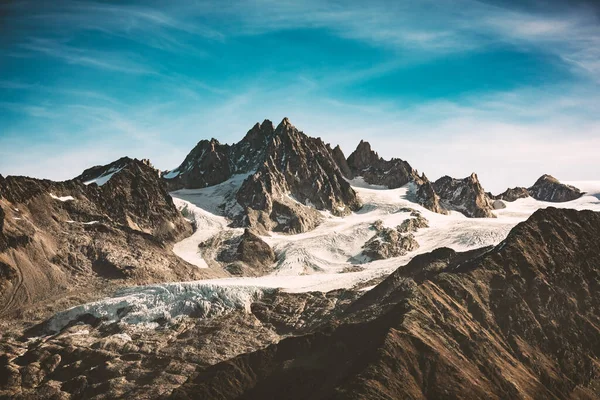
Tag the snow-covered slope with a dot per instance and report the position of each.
(315, 260)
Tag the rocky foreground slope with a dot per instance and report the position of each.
(519, 320)
(61, 239)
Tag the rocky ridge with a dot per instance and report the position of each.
(546, 188)
(464, 195)
(59, 239)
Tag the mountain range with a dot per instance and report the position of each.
(277, 265)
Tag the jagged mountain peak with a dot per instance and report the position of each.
(546, 188)
(464, 195)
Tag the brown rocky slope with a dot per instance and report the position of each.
(66, 238)
(519, 320)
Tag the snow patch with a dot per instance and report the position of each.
(62, 198)
(105, 177)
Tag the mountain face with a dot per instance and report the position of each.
(299, 174)
(464, 195)
(375, 170)
(291, 176)
(67, 237)
(513, 194)
(546, 188)
(518, 320)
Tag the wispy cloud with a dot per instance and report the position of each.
(110, 61)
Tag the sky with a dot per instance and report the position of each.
(507, 89)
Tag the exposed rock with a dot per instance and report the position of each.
(548, 188)
(340, 159)
(293, 175)
(253, 251)
(513, 194)
(498, 204)
(388, 243)
(426, 196)
(375, 170)
(464, 195)
(413, 224)
(298, 176)
(61, 239)
(100, 360)
(515, 321)
(206, 165)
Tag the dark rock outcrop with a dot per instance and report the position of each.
(292, 176)
(253, 251)
(464, 195)
(548, 188)
(426, 196)
(375, 170)
(340, 159)
(393, 174)
(298, 176)
(518, 320)
(513, 194)
(206, 165)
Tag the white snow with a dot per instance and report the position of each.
(315, 260)
(146, 304)
(63, 198)
(105, 177)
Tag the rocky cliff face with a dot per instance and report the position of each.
(292, 176)
(464, 195)
(548, 188)
(60, 239)
(515, 321)
(375, 170)
(298, 176)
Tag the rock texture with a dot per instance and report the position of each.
(394, 173)
(548, 188)
(298, 176)
(100, 360)
(518, 320)
(291, 176)
(61, 239)
(388, 242)
(513, 194)
(464, 195)
(375, 170)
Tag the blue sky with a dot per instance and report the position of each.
(509, 90)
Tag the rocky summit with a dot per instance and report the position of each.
(464, 195)
(546, 188)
